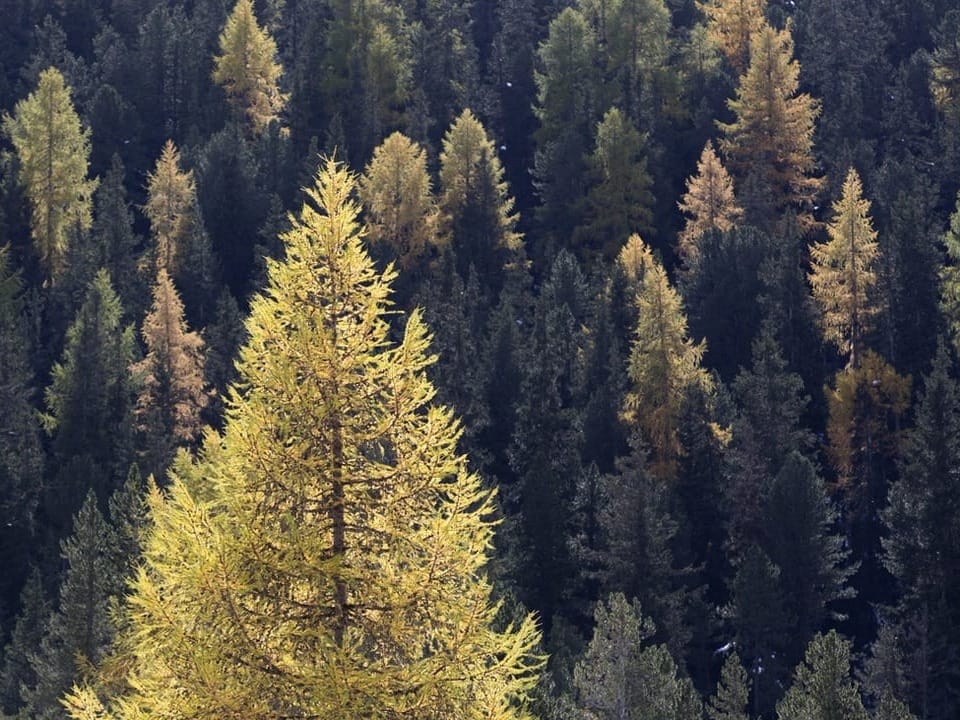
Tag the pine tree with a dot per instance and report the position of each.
(842, 271)
(476, 210)
(80, 631)
(247, 69)
(21, 453)
(620, 677)
(664, 361)
(769, 144)
(733, 692)
(89, 403)
(803, 541)
(172, 394)
(950, 277)
(620, 201)
(709, 201)
(325, 556)
(730, 26)
(28, 632)
(54, 151)
(822, 688)
(395, 189)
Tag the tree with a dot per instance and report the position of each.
(730, 26)
(769, 144)
(664, 361)
(709, 202)
(395, 189)
(80, 631)
(842, 271)
(172, 394)
(620, 201)
(619, 678)
(822, 688)
(325, 556)
(171, 208)
(247, 70)
(804, 542)
(54, 151)
(950, 277)
(21, 452)
(476, 211)
(733, 692)
(28, 632)
(89, 402)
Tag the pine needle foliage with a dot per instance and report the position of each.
(709, 202)
(730, 24)
(325, 557)
(171, 200)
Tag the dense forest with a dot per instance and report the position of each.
(558, 359)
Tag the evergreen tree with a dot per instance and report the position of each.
(476, 211)
(223, 338)
(803, 541)
(325, 556)
(28, 631)
(842, 271)
(922, 523)
(950, 277)
(246, 68)
(709, 202)
(80, 631)
(664, 361)
(89, 403)
(21, 454)
(769, 144)
(622, 678)
(822, 688)
(730, 26)
(172, 394)
(733, 692)
(395, 189)
(620, 201)
(54, 151)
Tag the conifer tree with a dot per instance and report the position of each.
(709, 202)
(171, 208)
(21, 453)
(476, 210)
(733, 692)
(172, 394)
(622, 677)
(842, 271)
(325, 556)
(620, 201)
(664, 361)
(247, 69)
(54, 151)
(89, 402)
(730, 26)
(769, 144)
(822, 688)
(28, 632)
(80, 631)
(950, 277)
(395, 189)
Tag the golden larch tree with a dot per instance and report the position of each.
(247, 69)
(842, 271)
(730, 25)
(170, 207)
(709, 202)
(326, 557)
(395, 190)
(664, 362)
(53, 150)
(769, 146)
(172, 394)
